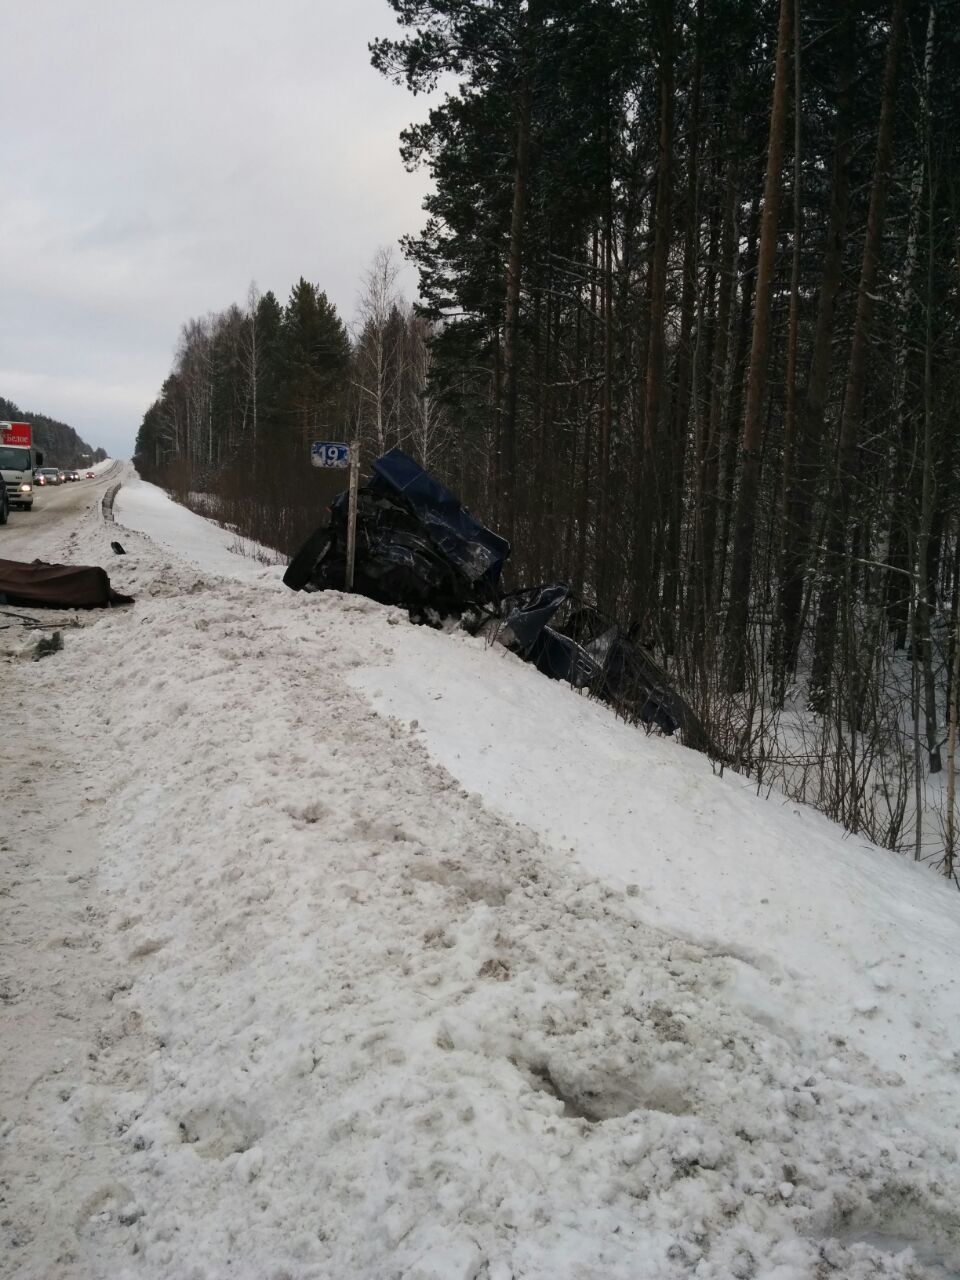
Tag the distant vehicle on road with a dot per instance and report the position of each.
(73, 475)
(91, 475)
(47, 475)
(61, 476)
(18, 462)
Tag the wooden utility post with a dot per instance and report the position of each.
(352, 512)
(337, 454)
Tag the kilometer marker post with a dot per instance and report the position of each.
(352, 512)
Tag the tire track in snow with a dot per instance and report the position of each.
(65, 1050)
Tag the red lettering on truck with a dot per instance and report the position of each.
(18, 434)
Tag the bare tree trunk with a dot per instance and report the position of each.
(511, 320)
(733, 405)
(573, 542)
(900, 586)
(735, 636)
(495, 462)
(846, 472)
(582, 418)
(950, 839)
(601, 478)
(790, 417)
(254, 357)
(798, 502)
(379, 357)
(606, 411)
(653, 495)
(706, 495)
(924, 603)
(429, 428)
(682, 398)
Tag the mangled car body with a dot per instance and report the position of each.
(577, 645)
(417, 547)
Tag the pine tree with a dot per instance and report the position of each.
(314, 366)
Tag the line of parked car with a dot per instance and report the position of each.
(54, 475)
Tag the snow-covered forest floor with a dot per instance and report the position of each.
(875, 781)
(336, 947)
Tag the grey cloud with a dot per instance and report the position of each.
(165, 154)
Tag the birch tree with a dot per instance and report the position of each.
(378, 364)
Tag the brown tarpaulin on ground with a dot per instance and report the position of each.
(64, 586)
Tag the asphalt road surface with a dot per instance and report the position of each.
(18, 538)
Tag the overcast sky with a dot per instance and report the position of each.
(157, 156)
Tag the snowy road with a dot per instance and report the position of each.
(26, 531)
(293, 988)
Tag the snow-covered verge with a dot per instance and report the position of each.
(364, 951)
(827, 928)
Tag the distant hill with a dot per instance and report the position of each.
(59, 444)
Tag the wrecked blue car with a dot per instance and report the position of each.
(419, 548)
(416, 546)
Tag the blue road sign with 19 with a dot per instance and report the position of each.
(330, 453)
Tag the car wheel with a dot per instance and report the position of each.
(301, 567)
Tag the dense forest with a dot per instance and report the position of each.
(59, 444)
(689, 335)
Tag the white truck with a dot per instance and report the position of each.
(18, 460)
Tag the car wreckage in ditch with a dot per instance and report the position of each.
(419, 548)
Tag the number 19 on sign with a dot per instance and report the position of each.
(330, 453)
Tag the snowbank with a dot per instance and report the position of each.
(478, 984)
